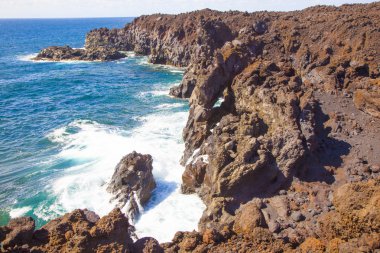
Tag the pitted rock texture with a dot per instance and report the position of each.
(80, 231)
(67, 53)
(132, 183)
(351, 226)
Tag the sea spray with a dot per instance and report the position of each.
(65, 126)
(95, 149)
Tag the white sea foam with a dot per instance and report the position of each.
(204, 158)
(95, 149)
(144, 60)
(18, 212)
(154, 93)
(130, 54)
(27, 57)
(195, 154)
(169, 106)
(219, 102)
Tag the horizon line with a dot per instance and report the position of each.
(185, 12)
(66, 18)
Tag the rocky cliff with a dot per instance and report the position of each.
(283, 129)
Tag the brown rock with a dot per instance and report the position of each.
(147, 245)
(356, 211)
(72, 232)
(248, 217)
(211, 236)
(312, 245)
(132, 182)
(19, 232)
(368, 101)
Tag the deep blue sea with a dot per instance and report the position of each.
(65, 126)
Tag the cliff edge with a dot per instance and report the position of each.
(283, 129)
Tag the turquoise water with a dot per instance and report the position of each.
(64, 127)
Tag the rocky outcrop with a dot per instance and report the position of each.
(67, 53)
(351, 225)
(132, 183)
(19, 231)
(78, 231)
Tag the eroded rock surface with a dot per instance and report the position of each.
(132, 183)
(78, 231)
(67, 53)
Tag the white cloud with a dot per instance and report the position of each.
(128, 8)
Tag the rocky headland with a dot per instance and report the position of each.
(282, 138)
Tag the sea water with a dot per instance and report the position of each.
(65, 126)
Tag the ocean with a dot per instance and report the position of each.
(65, 126)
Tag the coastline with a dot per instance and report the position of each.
(285, 159)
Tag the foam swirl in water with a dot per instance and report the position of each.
(94, 150)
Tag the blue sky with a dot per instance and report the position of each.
(128, 8)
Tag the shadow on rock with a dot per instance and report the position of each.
(321, 162)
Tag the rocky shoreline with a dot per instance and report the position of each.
(288, 161)
(66, 53)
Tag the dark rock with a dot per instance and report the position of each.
(260, 27)
(132, 182)
(3, 232)
(66, 53)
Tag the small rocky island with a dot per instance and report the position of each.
(288, 162)
(66, 53)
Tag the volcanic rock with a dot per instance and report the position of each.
(67, 53)
(147, 245)
(73, 232)
(19, 231)
(132, 183)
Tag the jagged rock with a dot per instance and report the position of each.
(66, 53)
(147, 245)
(73, 232)
(19, 231)
(132, 182)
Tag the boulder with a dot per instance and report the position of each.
(132, 183)
(248, 217)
